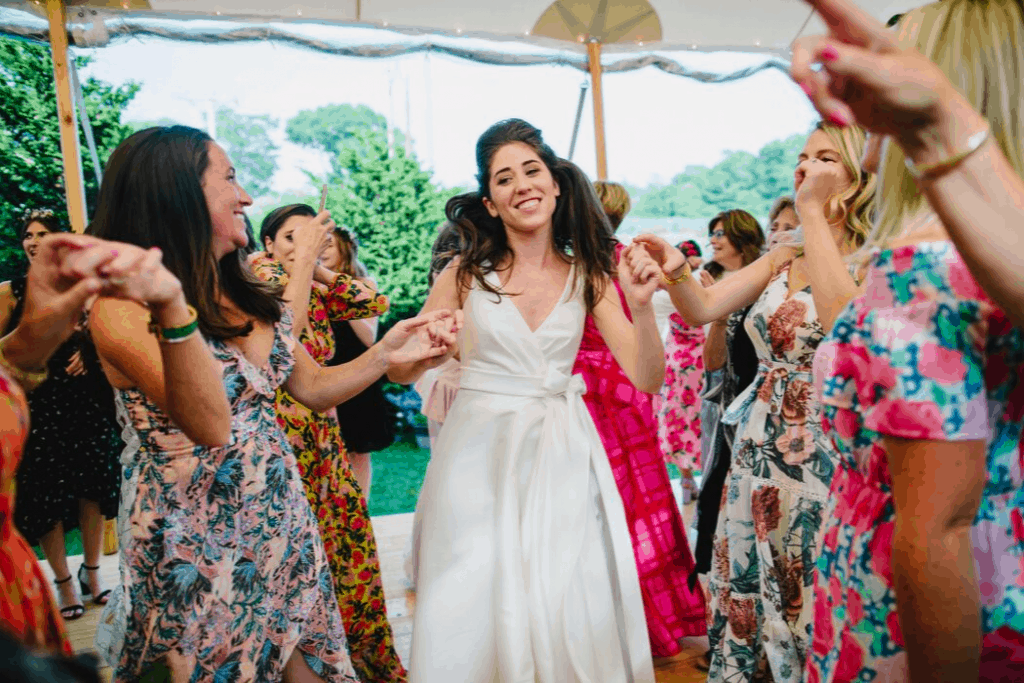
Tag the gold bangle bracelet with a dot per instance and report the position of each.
(682, 278)
(937, 168)
(28, 379)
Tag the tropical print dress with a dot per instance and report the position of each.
(27, 610)
(331, 487)
(679, 404)
(221, 557)
(768, 533)
(624, 418)
(924, 354)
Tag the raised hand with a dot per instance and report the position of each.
(639, 275)
(819, 181)
(312, 237)
(867, 78)
(664, 254)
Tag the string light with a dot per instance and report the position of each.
(385, 23)
(300, 13)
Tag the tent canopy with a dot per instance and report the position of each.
(635, 25)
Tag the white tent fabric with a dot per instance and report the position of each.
(739, 25)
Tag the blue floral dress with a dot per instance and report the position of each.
(221, 557)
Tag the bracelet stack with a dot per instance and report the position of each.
(28, 379)
(175, 335)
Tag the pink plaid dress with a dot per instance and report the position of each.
(624, 417)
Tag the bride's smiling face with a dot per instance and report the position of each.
(523, 193)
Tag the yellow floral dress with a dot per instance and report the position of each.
(333, 493)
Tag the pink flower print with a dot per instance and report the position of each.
(845, 424)
(796, 445)
(906, 419)
(1017, 524)
(962, 283)
(854, 606)
(877, 293)
(903, 259)
(851, 659)
(942, 364)
(831, 539)
(823, 632)
(895, 631)
(881, 551)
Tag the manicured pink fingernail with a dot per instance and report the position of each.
(113, 252)
(806, 87)
(838, 119)
(829, 53)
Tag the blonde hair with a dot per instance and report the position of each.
(615, 201)
(977, 45)
(853, 207)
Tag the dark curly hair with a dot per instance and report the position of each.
(581, 232)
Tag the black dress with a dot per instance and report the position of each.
(740, 371)
(365, 418)
(74, 442)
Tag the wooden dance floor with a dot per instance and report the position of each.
(392, 532)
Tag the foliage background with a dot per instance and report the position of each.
(31, 171)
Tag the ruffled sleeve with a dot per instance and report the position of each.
(925, 363)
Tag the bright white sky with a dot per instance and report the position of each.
(656, 123)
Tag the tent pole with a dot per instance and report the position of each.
(594, 54)
(74, 185)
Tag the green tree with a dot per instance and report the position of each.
(247, 141)
(394, 209)
(31, 166)
(334, 127)
(740, 181)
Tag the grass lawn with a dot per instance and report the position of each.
(398, 473)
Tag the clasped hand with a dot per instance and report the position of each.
(432, 337)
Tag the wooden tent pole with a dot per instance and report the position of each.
(594, 54)
(74, 185)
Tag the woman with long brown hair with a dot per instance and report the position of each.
(365, 419)
(777, 489)
(223, 569)
(526, 570)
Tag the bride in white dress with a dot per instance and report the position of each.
(526, 571)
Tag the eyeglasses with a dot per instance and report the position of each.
(718, 233)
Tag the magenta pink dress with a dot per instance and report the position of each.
(629, 432)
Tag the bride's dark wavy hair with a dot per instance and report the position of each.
(581, 232)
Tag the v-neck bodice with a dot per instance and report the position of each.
(495, 337)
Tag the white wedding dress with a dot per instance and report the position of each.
(526, 571)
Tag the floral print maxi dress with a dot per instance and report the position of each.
(679, 403)
(924, 354)
(221, 558)
(331, 487)
(766, 541)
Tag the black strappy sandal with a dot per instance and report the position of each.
(100, 599)
(71, 612)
